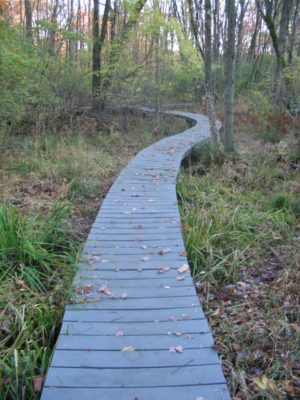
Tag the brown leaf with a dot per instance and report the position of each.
(120, 333)
(38, 383)
(176, 349)
(104, 289)
(180, 277)
(183, 268)
(183, 254)
(185, 316)
(128, 349)
(145, 258)
(164, 251)
(124, 296)
(163, 270)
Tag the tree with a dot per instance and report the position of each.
(268, 9)
(229, 75)
(98, 42)
(28, 17)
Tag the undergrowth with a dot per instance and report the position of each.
(241, 229)
(37, 260)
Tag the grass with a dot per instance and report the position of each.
(241, 229)
(51, 189)
(37, 259)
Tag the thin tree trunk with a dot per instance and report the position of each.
(98, 42)
(28, 17)
(252, 48)
(53, 29)
(209, 98)
(229, 76)
(243, 8)
(216, 43)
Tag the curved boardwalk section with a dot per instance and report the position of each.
(136, 329)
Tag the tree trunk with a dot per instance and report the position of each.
(96, 56)
(252, 48)
(28, 17)
(209, 98)
(243, 8)
(98, 42)
(53, 29)
(216, 43)
(229, 76)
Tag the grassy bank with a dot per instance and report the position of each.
(51, 189)
(242, 229)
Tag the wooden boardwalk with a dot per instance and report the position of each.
(137, 330)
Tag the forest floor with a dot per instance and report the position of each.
(51, 189)
(241, 224)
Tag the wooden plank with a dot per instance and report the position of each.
(135, 377)
(146, 304)
(135, 328)
(215, 392)
(133, 359)
(136, 292)
(98, 315)
(115, 343)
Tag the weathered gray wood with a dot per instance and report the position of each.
(128, 292)
(135, 328)
(215, 392)
(163, 315)
(135, 377)
(115, 343)
(133, 359)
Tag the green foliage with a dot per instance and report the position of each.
(82, 188)
(286, 202)
(23, 83)
(32, 246)
(229, 223)
(37, 258)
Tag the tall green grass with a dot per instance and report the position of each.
(224, 228)
(37, 259)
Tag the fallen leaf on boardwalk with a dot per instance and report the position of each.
(139, 270)
(184, 253)
(128, 349)
(38, 383)
(164, 251)
(200, 398)
(163, 269)
(180, 277)
(144, 246)
(172, 318)
(138, 226)
(183, 268)
(92, 259)
(178, 333)
(145, 258)
(150, 201)
(185, 316)
(124, 296)
(120, 333)
(176, 349)
(137, 238)
(104, 289)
